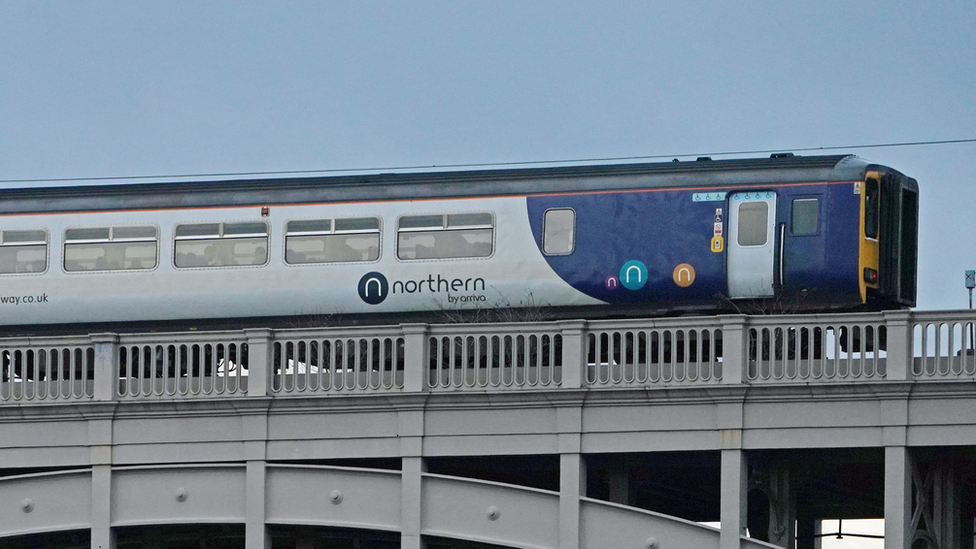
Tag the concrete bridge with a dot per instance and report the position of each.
(551, 434)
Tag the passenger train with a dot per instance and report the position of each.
(786, 233)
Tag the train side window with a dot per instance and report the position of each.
(111, 248)
(450, 236)
(559, 231)
(23, 252)
(804, 218)
(753, 223)
(871, 192)
(221, 244)
(332, 241)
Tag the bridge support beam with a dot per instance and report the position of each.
(256, 534)
(572, 485)
(102, 536)
(898, 497)
(735, 476)
(411, 503)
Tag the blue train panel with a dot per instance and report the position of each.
(631, 246)
(668, 248)
(821, 267)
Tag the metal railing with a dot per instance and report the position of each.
(530, 356)
(835, 347)
(182, 365)
(46, 369)
(496, 356)
(651, 352)
(337, 360)
(943, 345)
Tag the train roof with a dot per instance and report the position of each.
(440, 184)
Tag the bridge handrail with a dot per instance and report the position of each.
(519, 356)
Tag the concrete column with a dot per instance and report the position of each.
(415, 362)
(572, 472)
(900, 360)
(256, 535)
(411, 502)
(100, 457)
(734, 488)
(102, 536)
(106, 379)
(574, 353)
(410, 430)
(572, 485)
(255, 435)
(259, 361)
(734, 360)
(898, 498)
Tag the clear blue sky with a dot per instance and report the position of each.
(97, 88)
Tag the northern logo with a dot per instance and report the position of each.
(373, 288)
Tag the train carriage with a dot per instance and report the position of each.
(783, 234)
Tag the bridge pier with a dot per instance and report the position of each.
(898, 497)
(102, 534)
(572, 485)
(411, 501)
(735, 476)
(256, 534)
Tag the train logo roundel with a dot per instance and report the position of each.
(373, 288)
(633, 275)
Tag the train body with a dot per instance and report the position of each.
(789, 234)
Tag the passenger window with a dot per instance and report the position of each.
(559, 232)
(450, 236)
(332, 241)
(23, 251)
(871, 192)
(804, 218)
(753, 223)
(221, 244)
(110, 248)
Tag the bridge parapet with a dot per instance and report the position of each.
(407, 358)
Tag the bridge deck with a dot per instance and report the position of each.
(263, 428)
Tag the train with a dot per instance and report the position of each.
(786, 233)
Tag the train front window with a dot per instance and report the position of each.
(23, 252)
(559, 231)
(454, 236)
(327, 241)
(111, 248)
(221, 245)
(804, 217)
(871, 196)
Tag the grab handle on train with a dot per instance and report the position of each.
(782, 248)
(780, 278)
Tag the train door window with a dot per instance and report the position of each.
(332, 240)
(753, 223)
(871, 192)
(451, 236)
(559, 231)
(221, 244)
(111, 248)
(804, 218)
(23, 252)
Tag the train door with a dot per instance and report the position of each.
(751, 244)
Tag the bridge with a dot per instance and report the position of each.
(567, 434)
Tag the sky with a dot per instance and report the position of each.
(134, 88)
